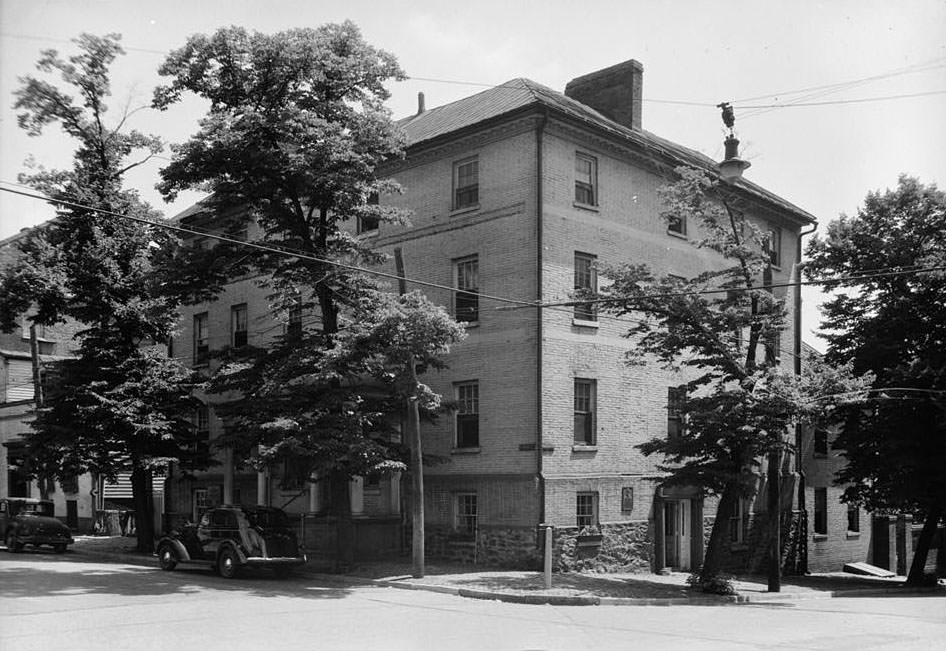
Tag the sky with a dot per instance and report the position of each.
(844, 64)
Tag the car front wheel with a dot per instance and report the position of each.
(13, 545)
(167, 557)
(227, 564)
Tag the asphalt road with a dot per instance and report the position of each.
(62, 602)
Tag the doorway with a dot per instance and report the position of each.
(677, 534)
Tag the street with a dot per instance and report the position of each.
(49, 602)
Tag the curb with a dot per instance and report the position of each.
(563, 600)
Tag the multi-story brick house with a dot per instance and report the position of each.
(518, 193)
(21, 368)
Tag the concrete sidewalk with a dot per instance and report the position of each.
(567, 588)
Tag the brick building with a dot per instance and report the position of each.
(518, 193)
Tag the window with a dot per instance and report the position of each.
(294, 322)
(202, 429)
(675, 399)
(468, 414)
(201, 503)
(737, 522)
(774, 246)
(466, 513)
(586, 510)
(821, 443)
(466, 184)
(586, 179)
(368, 223)
(773, 347)
(584, 411)
(70, 485)
(238, 326)
(586, 281)
(853, 518)
(677, 224)
(466, 299)
(821, 511)
(201, 340)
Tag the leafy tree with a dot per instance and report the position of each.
(889, 317)
(118, 404)
(295, 131)
(739, 402)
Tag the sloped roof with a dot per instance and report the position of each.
(521, 93)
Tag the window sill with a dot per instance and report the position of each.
(584, 448)
(818, 537)
(367, 235)
(584, 323)
(585, 206)
(470, 324)
(819, 455)
(463, 210)
(682, 236)
(853, 535)
(475, 450)
(738, 547)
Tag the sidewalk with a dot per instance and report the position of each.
(567, 589)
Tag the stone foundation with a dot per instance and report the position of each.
(496, 546)
(621, 547)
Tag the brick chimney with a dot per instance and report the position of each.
(614, 92)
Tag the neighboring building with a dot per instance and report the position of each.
(521, 192)
(73, 500)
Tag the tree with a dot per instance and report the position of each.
(295, 131)
(118, 404)
(721, 329)
(889, 317)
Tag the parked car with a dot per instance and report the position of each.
(30, 521)
(230, 538)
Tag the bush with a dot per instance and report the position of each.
(719, 584)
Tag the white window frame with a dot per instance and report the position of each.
(201, 339)
(585, 406)
(467, 196)
(235, 318)
(586, 278)
(467, 395)
(585, 517)
(738, 521)
(465, 520)
(466, 279)
(586, 179)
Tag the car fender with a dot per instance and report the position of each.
(241, 557)
(178, 546)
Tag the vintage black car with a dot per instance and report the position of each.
(229, 538)
(30, 521)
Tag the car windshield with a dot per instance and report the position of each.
(267, 518)
(36, 509)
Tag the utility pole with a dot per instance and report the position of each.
(417, 460)
(45, 482)
(775, 481)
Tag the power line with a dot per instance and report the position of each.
(256, 245)
(843, 101)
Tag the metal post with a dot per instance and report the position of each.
(548, 557)
(775, 538)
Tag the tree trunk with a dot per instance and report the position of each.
(344, 527)
(915, 577)
(713, 558)
(144, 508)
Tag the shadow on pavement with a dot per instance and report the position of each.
(31, 574)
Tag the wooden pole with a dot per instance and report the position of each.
(417, 457)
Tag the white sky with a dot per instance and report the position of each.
(822, 158)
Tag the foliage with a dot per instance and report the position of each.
(295, 131)
(720, 332)
(718, 584)
(116, 405)
(889, 318)
(336, 410)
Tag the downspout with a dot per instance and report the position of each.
(799, 467)
(539, 133)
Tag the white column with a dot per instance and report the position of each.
(356, 489)
(262, 488)
(314, 494)
(228, 476)
(394, 492)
